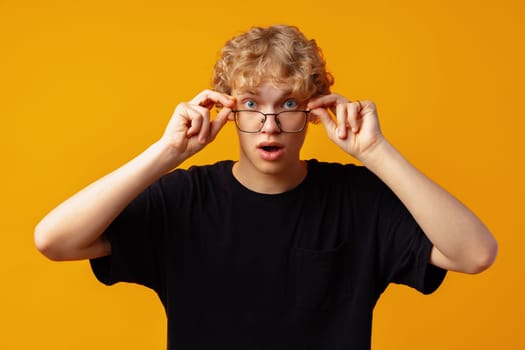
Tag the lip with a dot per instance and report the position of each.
(269, 144)
(270, 150)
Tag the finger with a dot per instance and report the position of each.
(194, 116)
(205, 125)
(217, 123)
(354, 116)
(328, 123)
(342, 121)
(322, 101)
(210, 98)
(326, 101)
(367, 107)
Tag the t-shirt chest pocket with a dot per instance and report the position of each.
(321, 278)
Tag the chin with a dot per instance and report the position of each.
(271, 168)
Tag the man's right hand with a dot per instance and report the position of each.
(191, 128)
(74, 229)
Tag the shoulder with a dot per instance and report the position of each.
(199, 172)
(339, 172)
(198, 181)
(334, 167)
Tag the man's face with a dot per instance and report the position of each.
(269, 151)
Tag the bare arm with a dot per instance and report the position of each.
(461, 241)
(74, 230)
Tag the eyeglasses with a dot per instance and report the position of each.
(253, 121)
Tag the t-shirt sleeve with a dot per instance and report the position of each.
(136, 242)
(404, 249)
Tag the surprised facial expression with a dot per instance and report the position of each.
(265, 147)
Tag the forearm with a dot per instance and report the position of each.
(462, 241)
(73, 229)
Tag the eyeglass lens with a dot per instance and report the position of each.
(288, 121)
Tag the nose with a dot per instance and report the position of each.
(271, 124)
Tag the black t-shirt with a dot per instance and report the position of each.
(236, 269)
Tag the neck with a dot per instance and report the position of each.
(270, 183)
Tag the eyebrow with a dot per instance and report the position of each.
(246, 93)
(251, 93)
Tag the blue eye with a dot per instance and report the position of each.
(291, 103)
(250, 104)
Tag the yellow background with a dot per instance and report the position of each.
(86, 86)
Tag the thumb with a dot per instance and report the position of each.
(218, 122)
(326, 119)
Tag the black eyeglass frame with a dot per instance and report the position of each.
(265, 115)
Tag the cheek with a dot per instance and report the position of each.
(297, 141)
(245, 141)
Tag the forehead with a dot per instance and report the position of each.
(267, 89)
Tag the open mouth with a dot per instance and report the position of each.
(271, 148)
(271, 151)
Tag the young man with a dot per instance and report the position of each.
(270, 251)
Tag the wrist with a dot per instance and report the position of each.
(377, 156)
(163, 158)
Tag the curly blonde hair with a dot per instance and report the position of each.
(281, 54)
